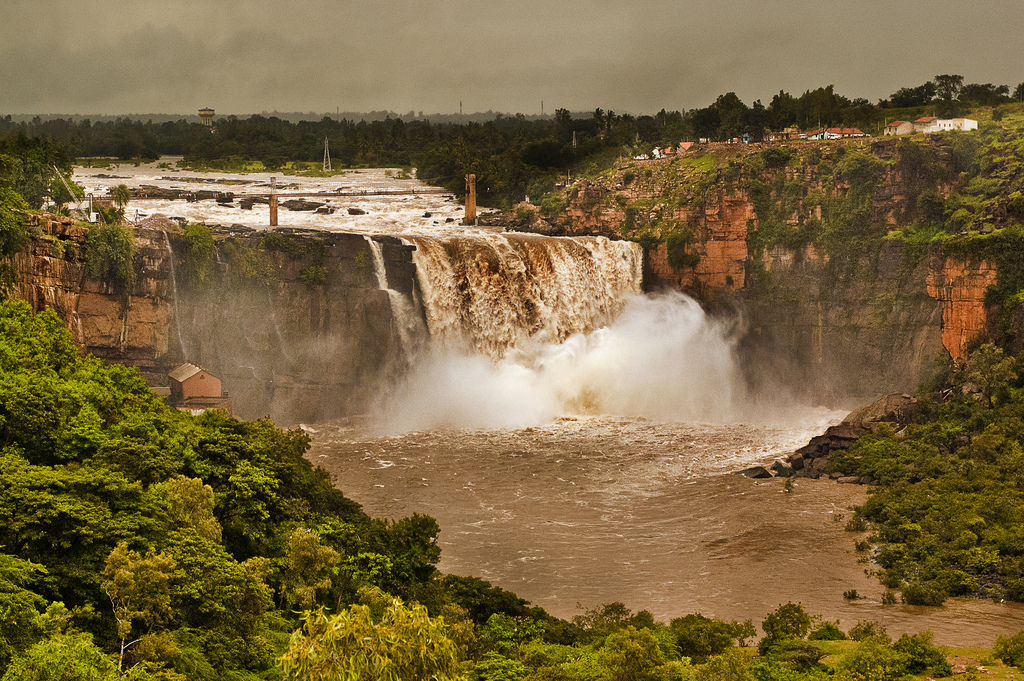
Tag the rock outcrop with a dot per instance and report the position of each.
(811, 460)
(301, 334)
(827, 329)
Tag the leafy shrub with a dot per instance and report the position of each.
(872, 659)
(787, 621)
(800, 654)
(924, 593)
(679, 247)
(827, 631)
(197, 256)
(701, 637)
(919, 651)
(1010, 649)
(293, 248)
(776, 157)
(111, 257)
(868, 629)
(314, 275)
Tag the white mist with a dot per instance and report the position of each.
(662, 358)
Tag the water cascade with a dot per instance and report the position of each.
(487, 293)
(526, 328)
(405, 311)
(174, 289)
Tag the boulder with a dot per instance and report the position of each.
(428, 214)
(356, 211)
(892, 408)
(796, 461)
(301, 204)
(782, 469)
(755, 472)
(849, 480)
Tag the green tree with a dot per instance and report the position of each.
(787, 622)
(190, 504)
(138, 589)
(947, 86)
(63, 658)
(20, 623)
(631, 654)
(701, 637)
(990, 369)
(1010, 649)
(403, 644)
(309, 566)
(872, 660)
(13, 232)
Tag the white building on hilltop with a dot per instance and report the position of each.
(930, 124)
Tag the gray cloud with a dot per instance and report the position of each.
(242, 56)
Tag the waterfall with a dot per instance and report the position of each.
(486, 293)
(174, 300)
(404, 310)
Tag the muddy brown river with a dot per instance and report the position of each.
(587, 511)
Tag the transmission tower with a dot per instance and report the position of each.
(327, 156)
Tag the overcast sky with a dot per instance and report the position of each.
(637, 56)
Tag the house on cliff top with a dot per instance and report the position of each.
(898, 128)
(834, 133)
(193, 389)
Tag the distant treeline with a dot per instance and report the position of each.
(512, 156)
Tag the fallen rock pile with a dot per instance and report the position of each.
(811, 460)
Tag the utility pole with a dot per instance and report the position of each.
(327, 156)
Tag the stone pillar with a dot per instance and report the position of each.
(273, 202)
(470, 200)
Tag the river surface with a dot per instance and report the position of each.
(587, 511)
(536, 491)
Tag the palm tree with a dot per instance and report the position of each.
(121, 195)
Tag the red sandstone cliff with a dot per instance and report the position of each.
(810, 320)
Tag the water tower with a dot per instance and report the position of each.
(207, 117)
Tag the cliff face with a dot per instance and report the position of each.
(866, 314)
(960, 288)
(285, 343)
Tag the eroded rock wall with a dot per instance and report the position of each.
(872, 324)
(294, 348)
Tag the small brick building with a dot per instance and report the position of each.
(195, 390)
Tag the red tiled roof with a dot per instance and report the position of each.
(926, 119)
(895, 124)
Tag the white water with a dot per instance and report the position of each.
(383, 214)
(174, 288)
(661, 358)
(406, 314)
